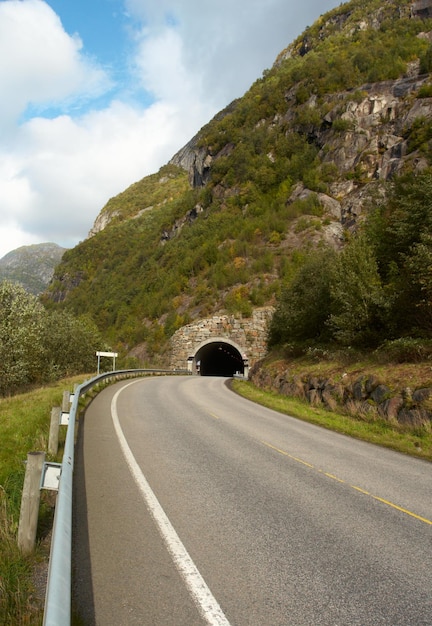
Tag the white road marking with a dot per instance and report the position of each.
(201, 594)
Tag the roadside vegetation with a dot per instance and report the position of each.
(24, 427)
(38, 346)
(415, 442)
(377, 291)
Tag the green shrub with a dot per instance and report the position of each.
(425, 91)
(405, 350)
(342, 125)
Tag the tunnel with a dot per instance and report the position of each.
(218, 358)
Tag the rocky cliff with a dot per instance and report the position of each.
(364, 135)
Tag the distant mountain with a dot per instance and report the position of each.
(31, 266)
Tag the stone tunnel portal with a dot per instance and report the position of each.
(218, 358)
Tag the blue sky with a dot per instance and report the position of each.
(99, 24)
(106, 30)
(97, 94)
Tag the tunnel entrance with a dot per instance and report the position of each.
(218, 358)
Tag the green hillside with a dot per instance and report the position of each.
(230, 222)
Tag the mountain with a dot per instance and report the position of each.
(293, 165)
(31, 266)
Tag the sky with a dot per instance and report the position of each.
(97, 94)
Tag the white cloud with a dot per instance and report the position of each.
(160, 67)
(39, 62)
(56, 174)
(63, 171)
(226, 45)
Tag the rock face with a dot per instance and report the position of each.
(363, 396)
(197, 159)
(102, 220)
(366, 133)
(422, 8)
(363, 134)
(31, 266)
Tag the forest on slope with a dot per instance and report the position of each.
(282, 213)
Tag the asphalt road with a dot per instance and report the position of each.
(194, 506)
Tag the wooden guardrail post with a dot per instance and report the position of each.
(66, 402)
(54, 430)
(30, 502)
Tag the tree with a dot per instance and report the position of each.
(304, 305)
(37, 346)
(357, 297)
(21, 324)
(69, 344)
(418, 285)
(399, 230)
(398, 222)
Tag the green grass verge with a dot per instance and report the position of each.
(24, 427)
(416, 442)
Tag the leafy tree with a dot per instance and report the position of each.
(399, 230)
(37, 346)
(357, 297)
(304, 306)
(69, 344)
(399, 222)
(415, 288)
(21, 332)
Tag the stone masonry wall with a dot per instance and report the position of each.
(248, 334)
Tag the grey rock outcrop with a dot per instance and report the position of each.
(365, 132)
(365, 395)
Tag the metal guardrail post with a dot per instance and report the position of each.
(58, 595)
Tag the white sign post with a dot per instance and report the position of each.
(112, 355)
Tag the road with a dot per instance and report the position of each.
(195, 506)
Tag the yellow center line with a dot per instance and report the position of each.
(339, 480)
(399, 508)
(216, 417)
(359, 489)
(269, 445)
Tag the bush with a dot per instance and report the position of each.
(405, 350)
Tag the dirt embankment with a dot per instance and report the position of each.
(397, 392)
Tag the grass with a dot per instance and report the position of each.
(415, 442)
(24, 427)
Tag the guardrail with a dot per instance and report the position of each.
(58, 594)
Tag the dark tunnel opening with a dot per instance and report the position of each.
(219, 359)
